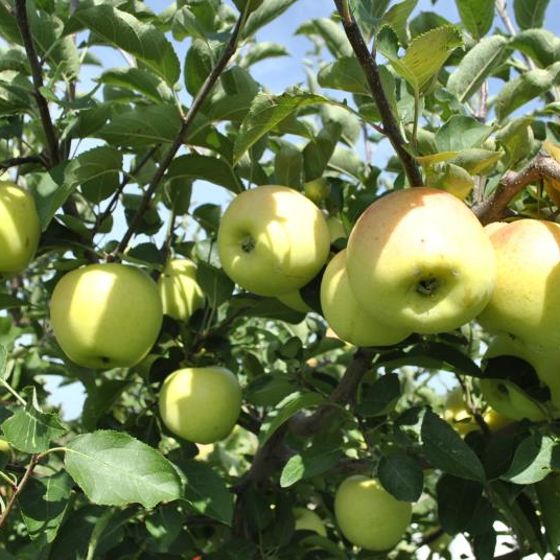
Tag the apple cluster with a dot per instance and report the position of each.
(417, 261)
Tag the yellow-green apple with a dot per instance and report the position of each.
(336, 229)
(180, 293)
(507, 397)
(106, 315)
(19, 229)
(346, 316)
(368, 516)
(200, 404)
(272, 240)
(419, 259)
(307, 520)
(294, 301)
(317, 190)
(526, 301)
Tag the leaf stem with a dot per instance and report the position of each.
(13, 391)
(17, 491)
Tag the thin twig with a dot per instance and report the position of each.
(126, 179)
(36, 73)
(512, 183)
(205, 89)
(17, 491)
(371, 71)
(16, 161)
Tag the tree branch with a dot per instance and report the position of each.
(205, 89)
(14, 162)
(18, 489)
(512, 183)
(371, 70)
(36, 73)
(342, 395)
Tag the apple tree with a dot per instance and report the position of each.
(261, 378)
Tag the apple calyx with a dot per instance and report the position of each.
(428, 286)
(248, 244)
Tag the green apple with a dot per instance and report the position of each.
(201, 405)
(307, 520)
(293, 300)
(180, 293)
(526, 301)
(368, 516)
(272, 240)
(346, 317)
(505, 396)
(458, 414)
(336, 229)
(106, 315)
(317, 190)
(419, 259)
(19, 229)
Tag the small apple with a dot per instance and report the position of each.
(307, 520)
(346, 316)
(180, 293)
(336, 229)
(419, 260)
(106, 315)
(202, 404)
(526, 301)
(458, 414)
(19, 229)
(368, 516)
(272, 240)
(317, 190)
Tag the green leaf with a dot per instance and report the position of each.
(206, 491)
(267, 111)
(401, 475)
(517, 139)
(477, 16)
(43, 504)
(331, 33)
(444, 449)
(534, 459)
(16, 93)
(264, 50)
(142, 126)
(381, 397)
(526, 87)
(192, 167)
(267, 12)
(288, 165)
(397, 18)
(308, 465)
(541, 45)
(476, 66)
(3, 359)
(457, 499)
(140, 81)
(548, 493)
(477, 161)
(124, 31)
(318, 152)
(215, 284)
(31, 430)
(530, 13)
(199, 62)
(461, 132)
(114, 469)
(285, 410)
(345, 74)
(9, 302)
(426, 55)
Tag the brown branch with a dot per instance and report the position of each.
(205, 89)
(371, 70)
(342, 395)
(512, 183)
(14, 162)
(18, 489)
(36, 73)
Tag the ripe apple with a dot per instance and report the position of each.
(346, 316)
(201, 404)
(307, 520)
(106, 315)
(418, 259)
(368, 515)
(180, 293)
(272, 240)
(19, 229)
(526, 301)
